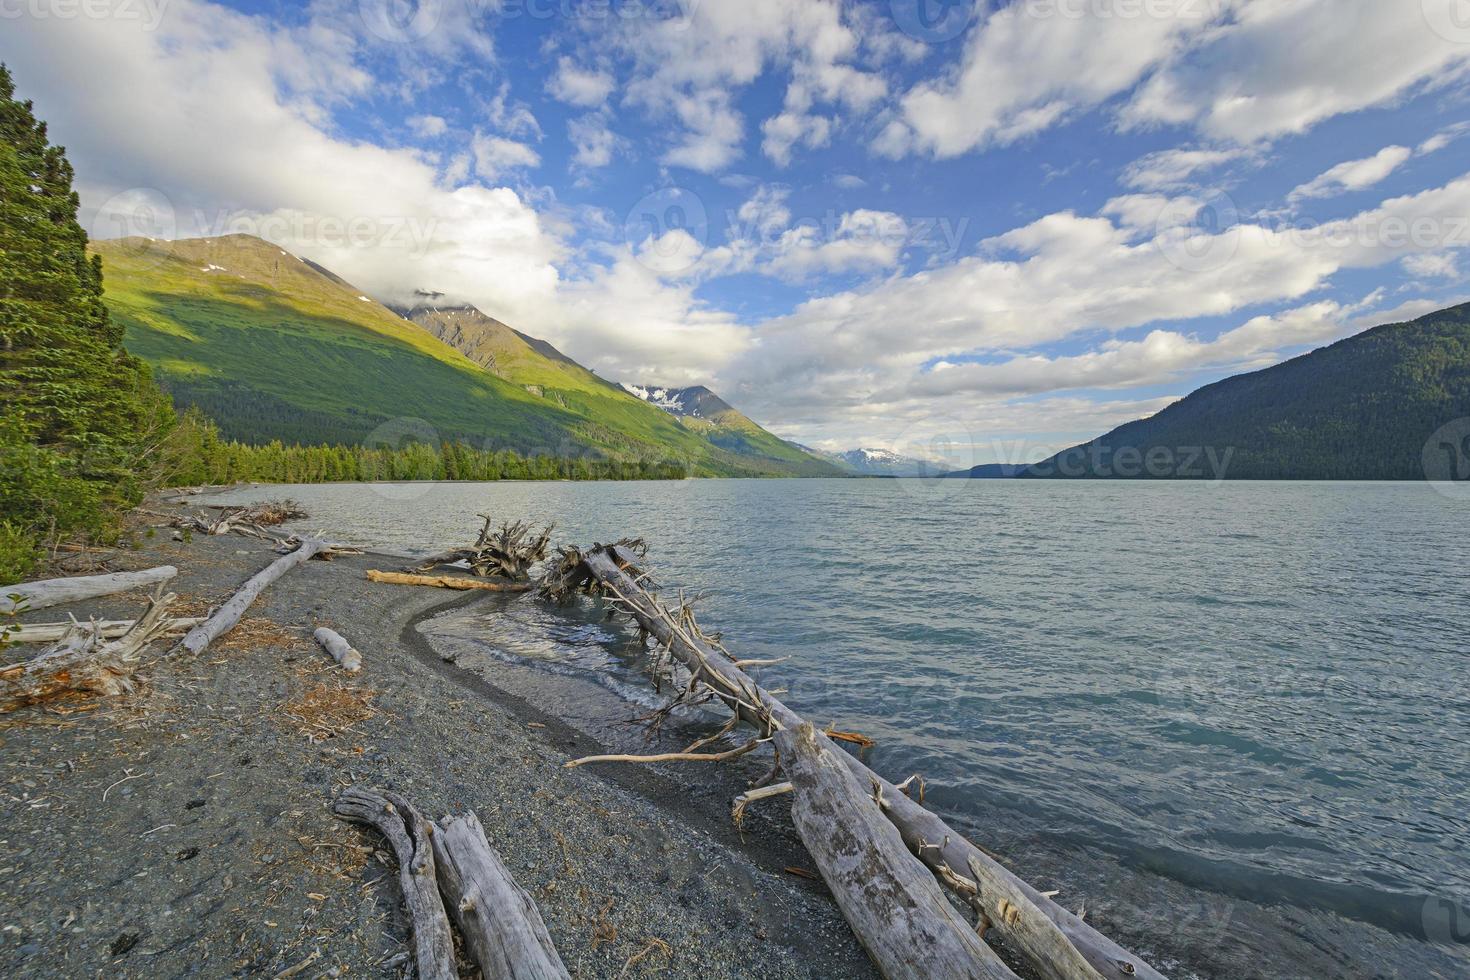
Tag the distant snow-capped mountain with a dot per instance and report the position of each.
(886, 462)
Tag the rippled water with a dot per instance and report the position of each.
(1237, 717)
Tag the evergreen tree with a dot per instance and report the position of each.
(78, 415)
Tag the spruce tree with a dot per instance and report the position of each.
(78, 414)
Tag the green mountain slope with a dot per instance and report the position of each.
(721, 424)
(725, 436)
(1362, 409)
(274, 347)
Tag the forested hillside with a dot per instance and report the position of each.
(1361, 409)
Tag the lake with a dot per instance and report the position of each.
(1235, 717)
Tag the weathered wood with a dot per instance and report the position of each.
(500, 922)
(107, 629)
(891, 900)
(53, 592)
(943, 849)
(83, 662)
(225, 618)
(342, 651)
(409, 834)
(508, 552)
(447, 582)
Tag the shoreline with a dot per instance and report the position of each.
(195, 861)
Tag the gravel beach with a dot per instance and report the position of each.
(184, 830)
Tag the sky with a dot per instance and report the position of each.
(982, 231)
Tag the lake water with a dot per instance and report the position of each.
(1235, 718)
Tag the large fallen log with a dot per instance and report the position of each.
(53, 592)
(459, 582)
(409, 834)
(107, 629)
(944, 850)
(343, 652)
(225, 618)
(499, 920)
(83, 662)
(896, 908)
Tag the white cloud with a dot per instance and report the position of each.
(580, 86)
(594, 144)
(1442, 265)
(1277, 68)
(1170, 169)
(788, 130)
(1024, 70)
(496, 155)
(690, 68)
(1443, 138)
(428, 127)
(1238, 71)
(1353, 175)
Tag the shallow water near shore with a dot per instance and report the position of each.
(1235, 719)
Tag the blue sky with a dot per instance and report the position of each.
(995, 228)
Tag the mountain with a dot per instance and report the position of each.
(272, 346)
(703, 412)
(1391, 403)
(886, 462)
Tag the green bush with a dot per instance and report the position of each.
(19, 554)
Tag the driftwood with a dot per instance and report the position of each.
(84, 662)
(107, 629)
(409, 834)
(895, 907)
(500, 922)
(251, 521)
(225, 618)
(508, 552)
(459, 582)
(946, 852)
(53, 592)
(341, 651)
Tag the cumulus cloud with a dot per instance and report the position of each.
(690, 69)
(580, 86)
(495, 156)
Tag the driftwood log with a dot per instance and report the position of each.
(409, 834)
(251, 521)
(895, 907)
(508, 552)
(225, 618)
(459, 582)
(53, 592)
(107, 629)
(499, 921)
(342, 651)
(946, 852)
(84, 662)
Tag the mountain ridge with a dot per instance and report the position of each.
(1367, 407)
